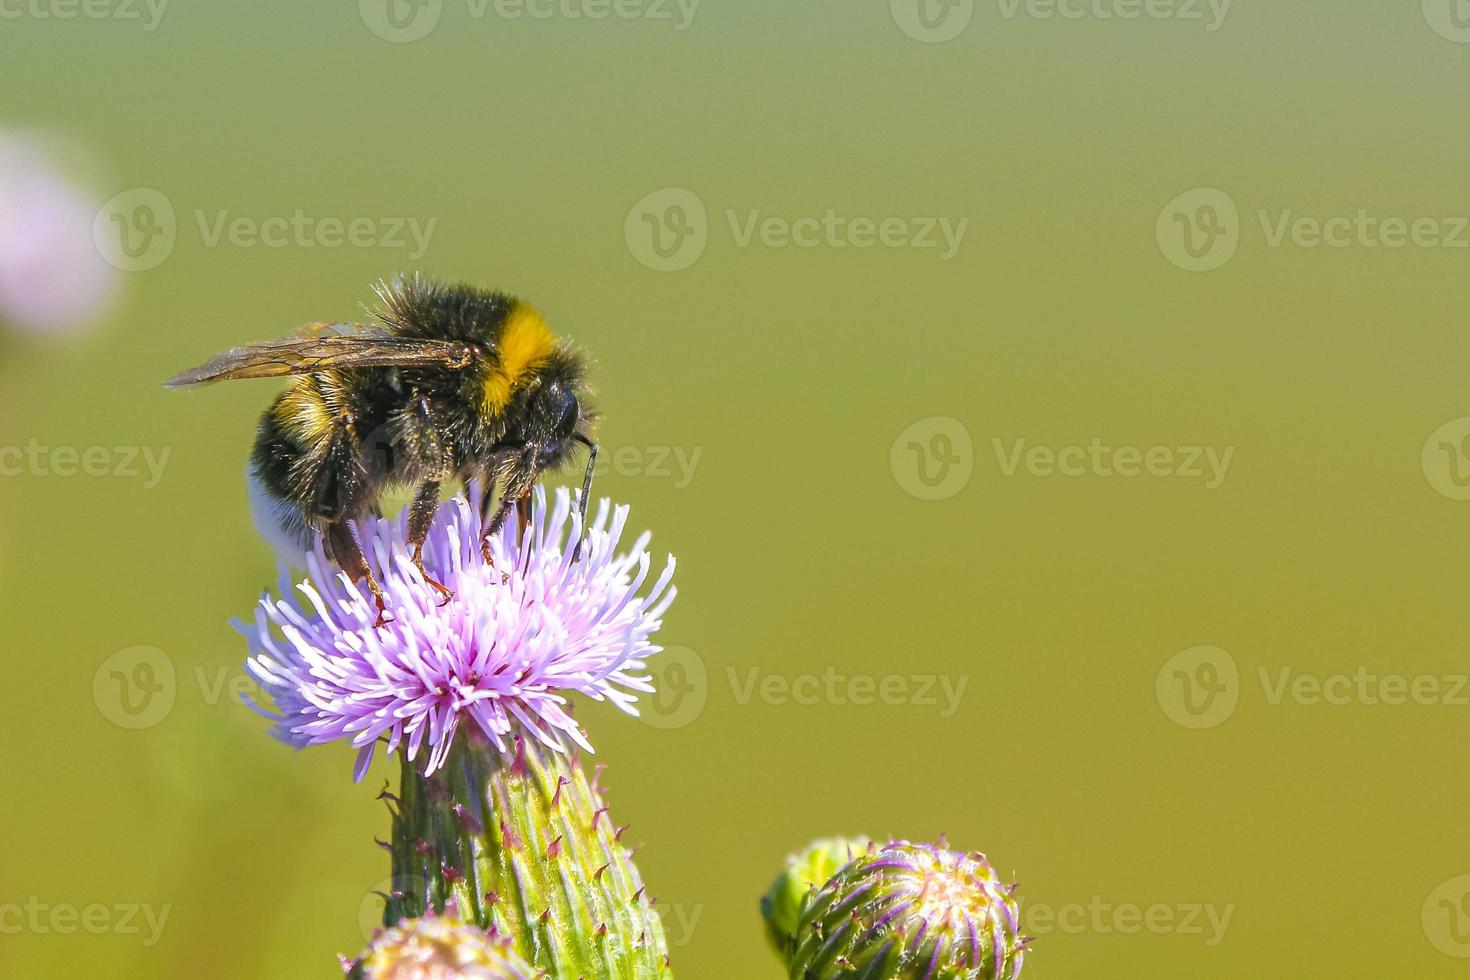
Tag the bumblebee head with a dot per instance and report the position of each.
(547, 419)
(554, 424)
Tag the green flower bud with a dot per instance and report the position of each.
(910, 912)
(440, 947)
(524, 845)
(805, 871)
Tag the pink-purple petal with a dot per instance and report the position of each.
(503, 655)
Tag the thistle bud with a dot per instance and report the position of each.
(439, 947)
(522, 843)
(907, 911)
(805, 872)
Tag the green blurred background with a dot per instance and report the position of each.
(805, 389)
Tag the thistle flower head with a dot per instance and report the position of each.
(503, 655)
(911, 911)
(440, 947)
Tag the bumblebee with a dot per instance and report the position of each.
(452, 383)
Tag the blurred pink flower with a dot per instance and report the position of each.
(52, 278)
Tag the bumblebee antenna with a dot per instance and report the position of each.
(586, 490)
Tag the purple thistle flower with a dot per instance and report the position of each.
(503, 654)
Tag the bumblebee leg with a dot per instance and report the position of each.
(426, 454)
(491, 527)
(420, 517)
(522, 504)
(347, 553)
(486, 499)
(523, 514)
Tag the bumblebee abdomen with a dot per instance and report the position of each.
(307, 453)
(279, 456)
(278, 520)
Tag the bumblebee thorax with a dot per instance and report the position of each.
(524, 345)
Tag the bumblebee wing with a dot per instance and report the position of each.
(323, 352)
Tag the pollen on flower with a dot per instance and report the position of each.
(502, 657)
(950, 886)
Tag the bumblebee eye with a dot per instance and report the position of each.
(563, 410)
